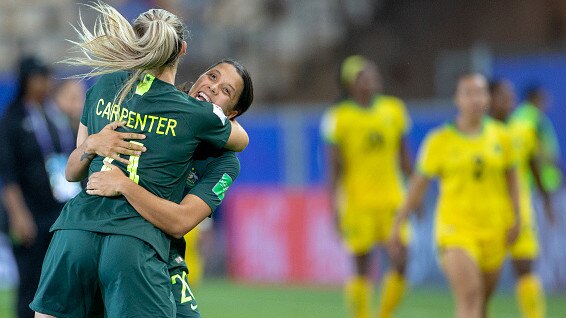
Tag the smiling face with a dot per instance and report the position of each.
(220, 85)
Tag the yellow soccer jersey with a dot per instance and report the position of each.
(524, 143)
(369, 141)
(471, 170)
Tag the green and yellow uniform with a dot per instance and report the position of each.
(548, 150)
(474, 202)
(212, 174)
(129, 263)
(371, 185)
(525, 144)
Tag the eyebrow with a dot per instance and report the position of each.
(220, 73)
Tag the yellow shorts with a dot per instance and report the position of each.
(487, 250)
(363, 230)
(526, 246)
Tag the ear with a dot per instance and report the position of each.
(232, 114)
(183, 48)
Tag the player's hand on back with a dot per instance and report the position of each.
(106, 183)
(111, 143)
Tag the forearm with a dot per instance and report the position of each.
(78, 163)
(417, 189)
(334, 174)
(13, 199)
(172, 218)
(538, 179)
(239, 139)
(405, 158)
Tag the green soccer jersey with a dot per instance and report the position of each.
(174, 124)
(212, 174)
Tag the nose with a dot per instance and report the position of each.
(213, 88)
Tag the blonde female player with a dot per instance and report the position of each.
(103, 246)
(474, 162)
(365, 136)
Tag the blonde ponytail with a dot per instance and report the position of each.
(151, 44)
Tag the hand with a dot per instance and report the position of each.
(111, 143)
(23, 228)
(513, 233)
(395, 247)
(106, 183)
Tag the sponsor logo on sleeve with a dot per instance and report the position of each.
(222, 186)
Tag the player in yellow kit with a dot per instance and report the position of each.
(530, 294)
(473, 159)
(365, 133)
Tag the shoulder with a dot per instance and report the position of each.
(214, 164)
(439, 133)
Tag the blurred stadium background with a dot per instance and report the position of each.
(272, 251)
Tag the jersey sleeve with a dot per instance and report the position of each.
(217, 178)
(429, 157)
(86, 108)
(212, 126)
(329, 126)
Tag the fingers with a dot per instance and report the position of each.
(109, 165)
(94, 192)
(120, 159)
(132, 146)
(132, 136)
(114, 125)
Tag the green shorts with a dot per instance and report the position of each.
(82, 267)
(184, 299)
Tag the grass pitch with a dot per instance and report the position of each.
(220, 298)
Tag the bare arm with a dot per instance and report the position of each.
(239, 139)
(405, 158)
(417, 189)
(334, 174)
(172, 218)
(513, 188)
(22, 224)
(106, 143)
(547, 202)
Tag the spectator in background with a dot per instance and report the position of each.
(35, 145)
(69, 96)
(367, 158)
(532, 111)
(524, 252)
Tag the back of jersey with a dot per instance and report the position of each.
(174, 124)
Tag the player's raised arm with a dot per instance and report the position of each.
(239, 139)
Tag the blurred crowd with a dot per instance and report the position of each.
(38, 133)
(293, 47)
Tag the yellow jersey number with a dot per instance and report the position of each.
(186, 293)
(132, 168)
